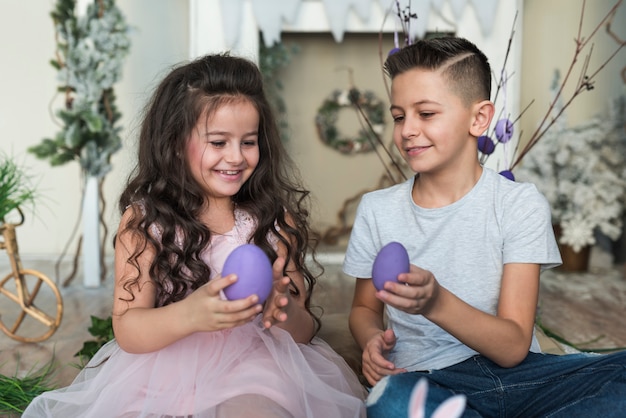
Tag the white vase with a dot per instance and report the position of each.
(91, 233)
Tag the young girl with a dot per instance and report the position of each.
(212, 175)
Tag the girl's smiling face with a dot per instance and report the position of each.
(431, 124)
(223, 149)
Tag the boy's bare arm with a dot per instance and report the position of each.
(504, 338)
(366, 314)
(368, 328)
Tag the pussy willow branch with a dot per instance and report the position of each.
(363, 117)
(380, 52)
(100, 9)
(405, 21)
(380, 142)
(506, 58)
(585, 81)
(618, 40)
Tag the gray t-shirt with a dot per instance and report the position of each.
(465, 245)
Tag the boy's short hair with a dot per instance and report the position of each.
(462, 64)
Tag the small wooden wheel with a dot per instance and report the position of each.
(31, 307)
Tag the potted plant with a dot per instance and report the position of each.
(582, 172)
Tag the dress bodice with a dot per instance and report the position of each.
(222, 244)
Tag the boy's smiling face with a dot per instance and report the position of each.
(432, 125)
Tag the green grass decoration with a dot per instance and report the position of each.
(582, 347)
(16, 393)
(15, 187)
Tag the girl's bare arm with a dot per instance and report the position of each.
(286, 309)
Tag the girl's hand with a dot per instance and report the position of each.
(207, 311)
(416, 293)
(375, 366)
(277, 304)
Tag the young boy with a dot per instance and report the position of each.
(464, 315)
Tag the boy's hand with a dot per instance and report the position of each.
(277, 303)
(416, 292)
(375, 366)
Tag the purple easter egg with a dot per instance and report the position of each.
(254, 273)
(508, 174)
(504, 130)
(486, 145)
(390, 261)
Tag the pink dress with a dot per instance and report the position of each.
(240, 372)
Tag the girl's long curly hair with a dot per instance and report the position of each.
(172, 201)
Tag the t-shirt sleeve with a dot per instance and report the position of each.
(529, 236)
(361, 249)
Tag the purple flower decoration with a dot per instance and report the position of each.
(504, 130)
(508, 174)
(486, 145)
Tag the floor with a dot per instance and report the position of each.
(585, 308)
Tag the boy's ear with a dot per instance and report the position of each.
(483, 113)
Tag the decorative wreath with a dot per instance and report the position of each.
(327, 115)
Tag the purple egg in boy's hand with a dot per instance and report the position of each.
(390, 261)
(254, 273)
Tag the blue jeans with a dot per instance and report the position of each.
(543, 385)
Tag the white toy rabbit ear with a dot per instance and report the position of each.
(451, 408)
(417, 403)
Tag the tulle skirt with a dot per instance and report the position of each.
(241, 372)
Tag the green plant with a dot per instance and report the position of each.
(271, 60)
(89, 59)
(16, 189)
(100, 328)
(17, 392)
